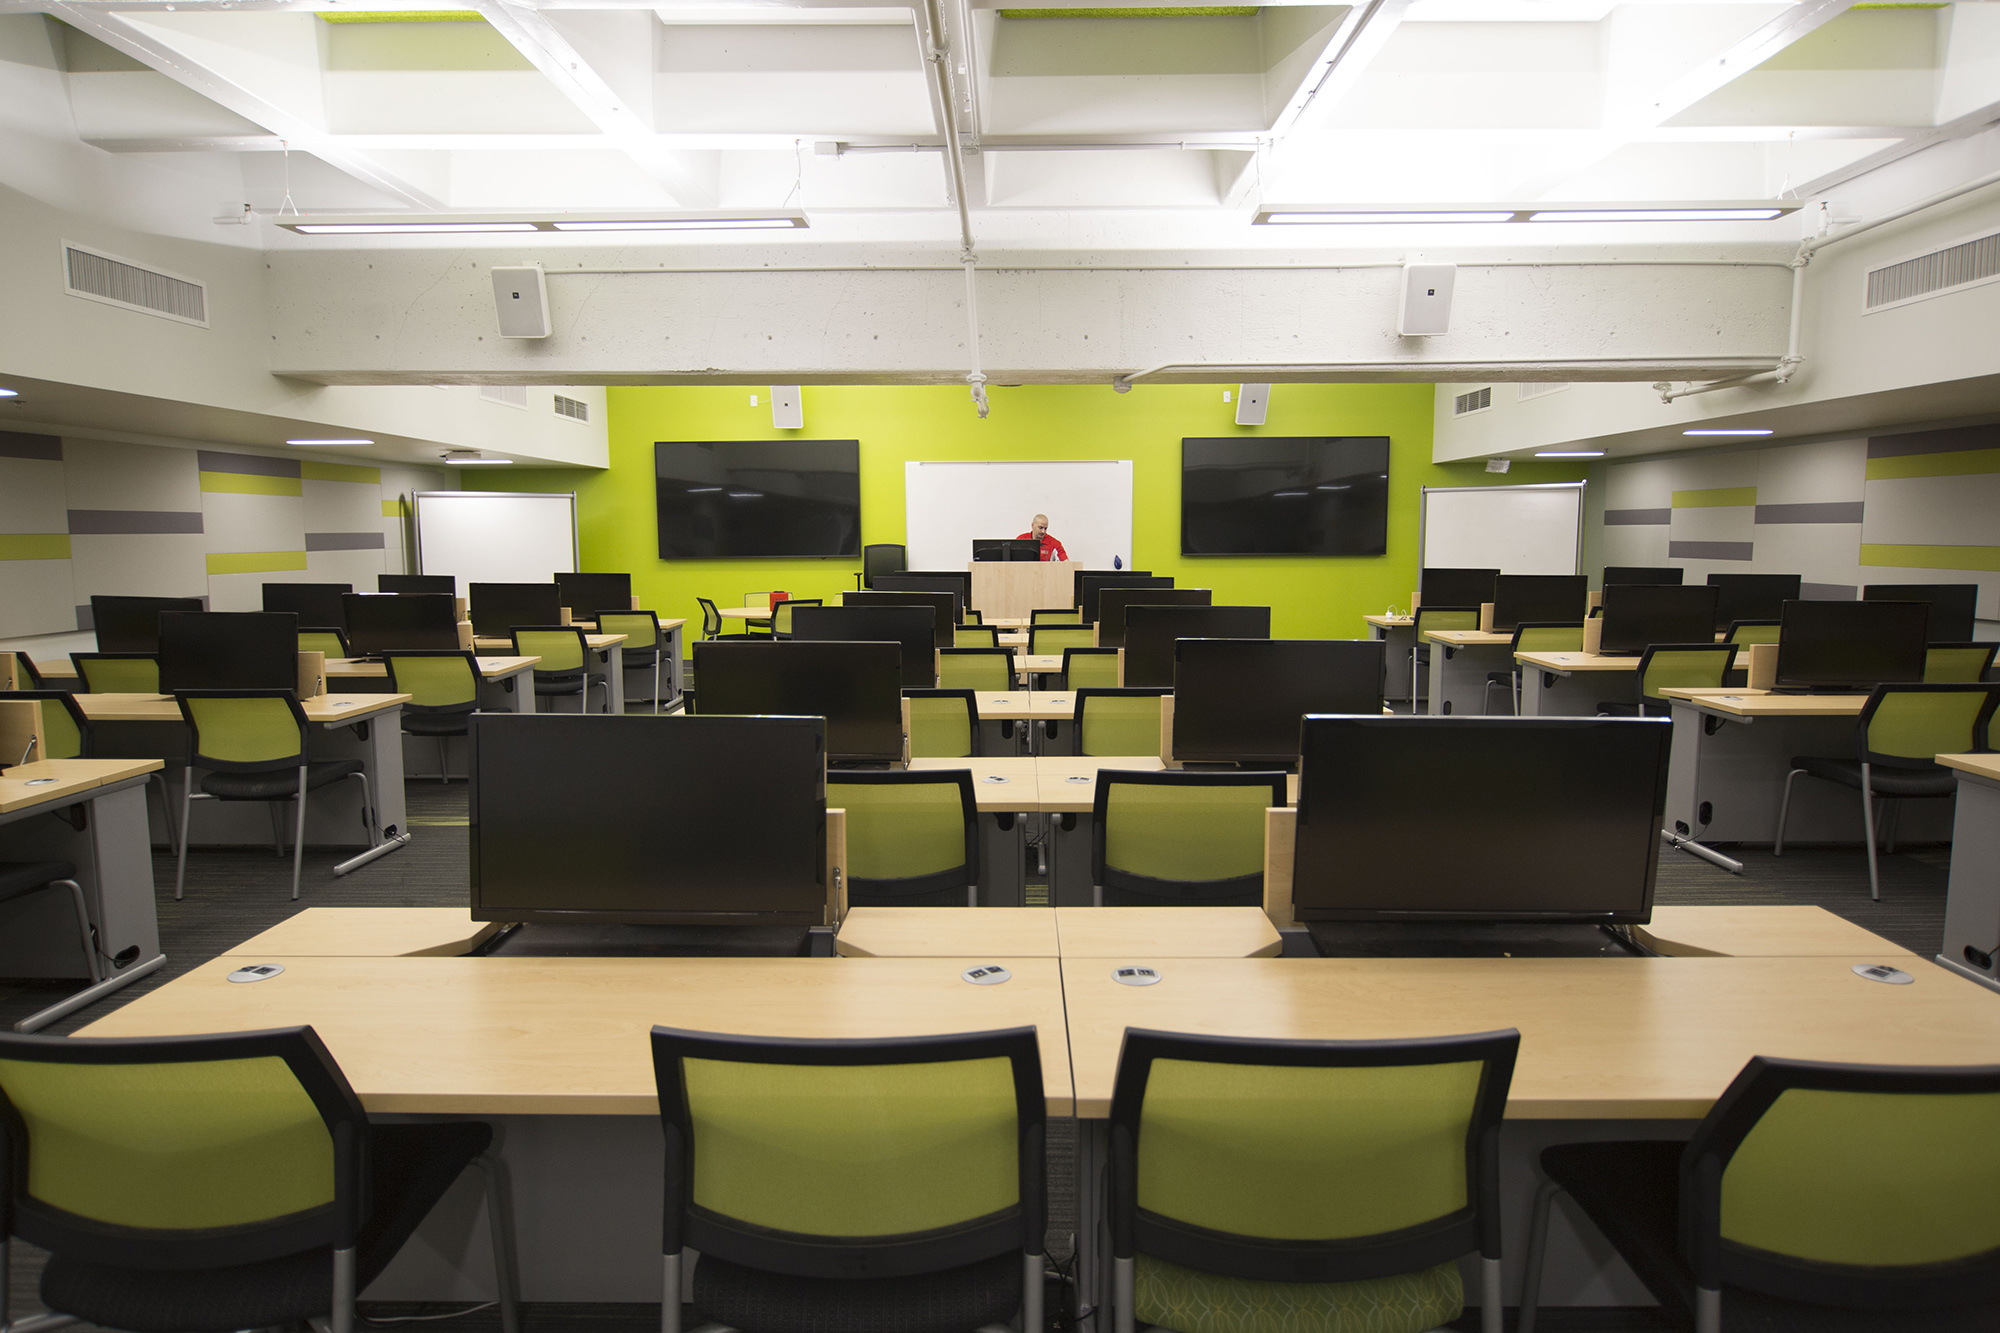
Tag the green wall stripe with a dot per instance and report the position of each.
(245, 483)
(254, 562)
(1959, 463)
(1722, 498)
(392, 509)
(34, 546)
(371, 476)
(1933, 557)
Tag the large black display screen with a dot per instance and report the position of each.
(748, 498)
(1285, 495)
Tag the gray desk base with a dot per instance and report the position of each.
(1571, 694)
(1458, 676)
(1972, 904)
(1401, 641)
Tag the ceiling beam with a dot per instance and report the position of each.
(1961, 127)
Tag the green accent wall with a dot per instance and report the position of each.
(1310, 596)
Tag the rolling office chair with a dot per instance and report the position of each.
(26, 673)
(1090, 668)
(1745, 634)
(443, 686)
(1671, 666)
(975, 636)
(711, 622)
(1958, 663)
(912, 837)
(1118, 721)
(1049, 640)
(66, 734)
(781, 618)
(883, 558)
(117, 673)
(640, 627)
(1305, 1185)
(329, 641)
(1071, 615)
(944, 724)
(976, 669)
(1426, 619)
(565, 665)
(1542, 636)
(972, 617)
(1180, 839)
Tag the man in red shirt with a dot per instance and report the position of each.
(1051, 548)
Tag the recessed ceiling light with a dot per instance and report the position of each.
(1705, 210)
(402, 228)
(1725, 432)
(455, 224)
(1657, 214)
(10, 393)
(1360, 219)
(323, 444)
(686, 224)
(472, 460)
(1569, 453)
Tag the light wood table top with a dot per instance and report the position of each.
(568, 1036)
(1005, 622)
(595, 642)
(1567, 663)
(1018, 789)
(959, 932)
(371, 932)
(490, 668)
(665, 623)
(1979, 765)
(1389, 622)
(1166, 932)
(25, 786)
(1017, 638)
(329, 709)
(1601, 1038)
(744, 612)
(1022, 704)
(1469, 638)
(1038, 662)
(1062, 795)
(1749, 932)
(1759, 703)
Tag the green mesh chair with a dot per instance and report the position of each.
(854, 1186)
(1430, 618)
(975, 636)
(711, 623)
(644, 645)
(253, 746)
(1541, 636)
(117, 673)
(1305, 1186)
(1049, 640)
(976, 669)
(944, 724)
(219, 1182)
(781, 616)
(1813, 1198)
(1901, 732)
(1743, 633)
(564, 668)
(1058, 616)
(329, 641)
(912, 836)
(1671, 666)
(1118, 721)
(1090, 669)
(1957, 663)
(443, 686)
(1180, 839)
(973, 617)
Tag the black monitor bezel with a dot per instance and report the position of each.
(919, 660)
(419, 585)
(1111, 627)
(575, 606)
(1506, 613)
(1912, 592)
(135, 620)
(1089, 587)
(1679, 573)
(1475, 578)
(489, 627)
(1190, 626)
(443, 633)
(1728, 611)
(261, 648)
(1220, 687)
(1630, 628)
(1794, 616)
(949, 617)
(305, 615)
(888, 660)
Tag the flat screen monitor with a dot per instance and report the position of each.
(410, 621)
(1643, 574)
(1480, 818)
(1112, 603)
(1952, 605)
(1241, 700)
(1752, 596)
(738, 499)
(498, 607)
(928, 582)
(132, 624)
(1077, 577)
(1285, 495)
(910, 627)
(1090, 585)
(1637, 615)
(944, 605)
(856, 687)
(1537, 597)
(646, 820)
(1456, 587)
(1851, 647)
(587, 594)
(317, 605)
(1150, 632)
(1006, 548)
(229, 650)
(426, 585)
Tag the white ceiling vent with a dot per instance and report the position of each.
(507, 395)
(1967, 264)
(1477, 401)
(573, 408)
(119, 282)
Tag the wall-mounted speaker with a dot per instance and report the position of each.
(788, 409)
(1424, 308)
(521, 301)
(1252, 402)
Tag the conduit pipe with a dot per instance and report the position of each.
(1634, 368)
(943, 99)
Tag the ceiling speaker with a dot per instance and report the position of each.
(521, 301)
(788, 410)
(1425, 305)
(1252, 402)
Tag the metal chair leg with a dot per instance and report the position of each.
(500, 1222)
(443, 765)
(1492, 1307)
(343, 1291)
(1032, 1289)
(299, 842)
(1868, 829)
(1538, 1245)
(1784, 809)
(1707, 1310)
(277, 829)
(670, 1293)
(180, 868)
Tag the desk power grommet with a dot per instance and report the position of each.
(1882, 972)
(43, 782)
(1136, 976)
(986, 974)
(256, 972)
(993, 777)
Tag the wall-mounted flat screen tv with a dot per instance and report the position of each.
(1285, 495)
(733, 499)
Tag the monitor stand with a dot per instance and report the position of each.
(1469, 939)
(541, 940)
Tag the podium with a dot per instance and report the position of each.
(1011, 589)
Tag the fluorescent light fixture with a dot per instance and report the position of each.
(1704, 210)
(1276, 219)
(326, 444)
(455, 224)
(703, 490)
(10, 393)
(1569, 453)
(687, 224)
(1657, 215)
(403, 228)
(1726, 432)
(473, 460)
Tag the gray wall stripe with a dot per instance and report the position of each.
(1836, 511)
(1638, 518)
(127, 522)
(84, 619)
(344, 541)
(251, 464)
(1934, 442)
(1709, 550)
(13, 444)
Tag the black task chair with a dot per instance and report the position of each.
(883, 558)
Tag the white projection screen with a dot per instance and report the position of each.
(1514, 529)
(496, 536)
(1089, 504)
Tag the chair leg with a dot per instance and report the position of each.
(1538, 1244)
(443, 764)
(1032, 1286)
(1892, 824)
(670, 1293)
(500, 1222)
(1492, 1309)
(343, 1291)
(1124, 1274)
(1868, 830)
(1784, 809)
(83, 927)
(277, 828)
(299, 842)
(1707, 1310)
(180, 868)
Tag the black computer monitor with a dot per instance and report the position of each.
(647, 820)
(424, 584)
(1241, 700)
(497, 607)
(909, 626)
(587, 594)
(378, 624)
(132, 624)
(229, 650)
(1150, 632)
(1537, 597)
(1089, 585)
(1752, 596)
(945, 605)
(928, 581)
(1639, 614)
(1112, 603)
(1953, 606)
(1643, 574)
(856, 687)
(1456, 587)
(317, 605)
(1006, 548)
(1479, 818)
(1850, 647)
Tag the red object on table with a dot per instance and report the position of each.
(777, 597)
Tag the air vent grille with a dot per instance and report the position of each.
(507, 395)
(118, 282)
(574, 409)
(1477, 401)
(1965, 265)
(1538, 390)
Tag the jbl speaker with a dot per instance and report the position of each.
(788, 409)
(521, 300)
(1425, 305)
(1252, 402)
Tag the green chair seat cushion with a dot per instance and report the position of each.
(572, 684)
(435, 724)
(277, 785)
(1884, 779)
(1188, 1300)
(954, 1300)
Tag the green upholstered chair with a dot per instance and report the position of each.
(644, 644)
(1180, 839)
(329, 641)
(972, 617)
(443, 686)
(781, 615)
(1813, 1198)
(1090, 669)
(1671, 666)
(944, 724)
(711, 622)
(253, 746)
(975, 636)
(564, 668)
(221, 1182)
(117, 673)
(1049, 640)
(1117, 721)
(854, 1186)
(1901, 732)
(1426, 619)
(1743, 633)
(1072, 615)
(1305, 1186)
(912, 836)
(1957, 663)
(976, 669)
(1541, 636)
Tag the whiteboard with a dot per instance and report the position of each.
(1089, 504)
(1515, 529)
(496, 536)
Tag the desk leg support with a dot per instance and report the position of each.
(1693, 848)
(1092, 1261)
(89, 995)
(385, 784)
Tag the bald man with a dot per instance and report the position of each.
(1039, 531)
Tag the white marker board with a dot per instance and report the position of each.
(496, 536)
(1515, 529)
(1089, 504)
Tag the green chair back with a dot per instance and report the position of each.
(1050, 640)
(329, 641)
(1685, 666)
(1752, 631)
(435, 679)
(975, 669)
(1069, 616)
(781, 616)
(1957, 663)
(910, 834)
(711, 619)
(561, 648)
(1917, 723)
(244, 730)
(944, 724)
(1547, 638)
(1430, 618)
(640, 628)
(1117, 721)
(1090, 668)
(975, 636)
(117, 673)
(973, 617)
(65, 730)
(1159, 831)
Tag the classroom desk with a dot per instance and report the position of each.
(503, 688)
(149, 726)
(371, 932)
(603, 660)
(1460, 659)
(1006, 622)
(1066, 932)
(930, 932)
(1005, 792)
(114, 868)
(1069, 804)
(1398, 633)
(1749, 932)
(1573, 684)
(1972, 903)
(753, 615)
